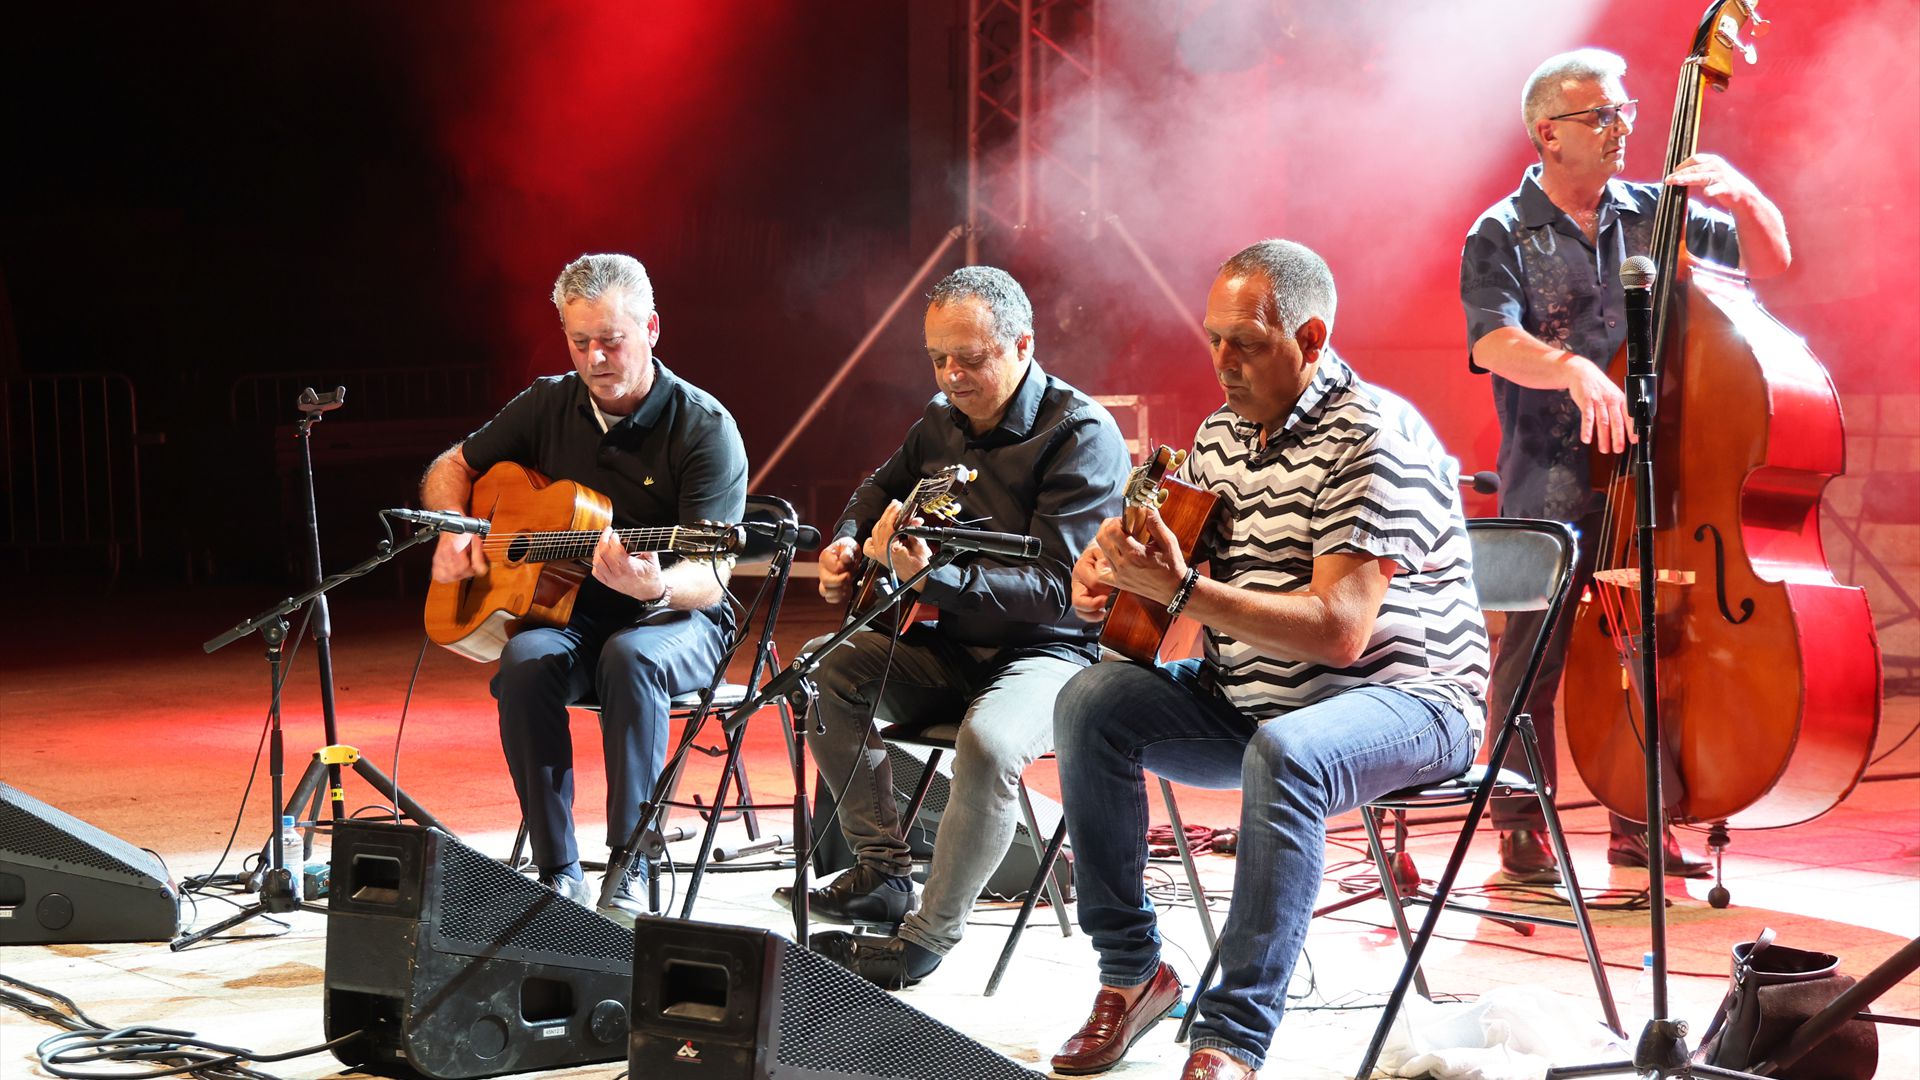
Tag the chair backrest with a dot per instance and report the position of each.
(771, 508)
(1522, 564)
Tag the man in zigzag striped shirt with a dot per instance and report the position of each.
(1346, 657)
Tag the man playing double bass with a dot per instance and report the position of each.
(1540, 283)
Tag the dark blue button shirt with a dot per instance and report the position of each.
(1527, 264)
(1055, 467)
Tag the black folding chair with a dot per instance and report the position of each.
(759, 549)
(1518, 565)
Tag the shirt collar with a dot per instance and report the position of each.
(1537, 210)
(1023, 409)
(1330, 373)
(652, 407)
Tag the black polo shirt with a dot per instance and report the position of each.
(1055, 467)
(675, 460)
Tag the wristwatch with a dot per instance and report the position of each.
(664, 600)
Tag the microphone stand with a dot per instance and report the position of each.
(276, 881)
(1662, 1049)
(793, 682)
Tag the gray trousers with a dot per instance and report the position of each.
(1006, 714)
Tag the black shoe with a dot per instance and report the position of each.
(862, 894)
(1525, 856)
(1631, 850)
(889, 962)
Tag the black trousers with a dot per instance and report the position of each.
(1511, 664)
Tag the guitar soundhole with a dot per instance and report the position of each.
(517, 549)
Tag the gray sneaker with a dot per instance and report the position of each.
(630, 899)
(575, 889)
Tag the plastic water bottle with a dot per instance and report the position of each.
(290, 852)
(1640, 1005)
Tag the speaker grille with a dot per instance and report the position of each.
(839, 1024)
(485, 906)
(31, 829)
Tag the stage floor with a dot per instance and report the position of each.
(110, 711)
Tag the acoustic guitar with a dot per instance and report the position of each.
(932, 497)
(1136, 626)
(538, 553)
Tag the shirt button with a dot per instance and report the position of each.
(1613, 322)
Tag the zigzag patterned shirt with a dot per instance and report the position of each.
(1353, 469)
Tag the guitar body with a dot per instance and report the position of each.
(1136, 626)
(872, 591)
(475, 617)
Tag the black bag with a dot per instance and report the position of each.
(1776, 989)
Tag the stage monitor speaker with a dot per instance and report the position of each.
(62, 880)
(1009, 880)
(454, 966)
(745, 1004)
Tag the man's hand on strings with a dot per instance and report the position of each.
(457, 557)
(1151, 567)
(907, 555)
(637, 576)
(1604, 423)
(1092, 584)
(838, 561)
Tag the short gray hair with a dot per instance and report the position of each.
(1299, 283)
(1542, 96)
(590, 277)
(1006, 301)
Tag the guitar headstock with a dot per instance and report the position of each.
(1143, 485)
(933, 497)
(710, 538)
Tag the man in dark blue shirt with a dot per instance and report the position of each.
(1048, 462)
(1540, 283)
(644, 627)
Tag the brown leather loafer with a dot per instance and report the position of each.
(1204, 1066)
(1112, 1028)
(1526, 856)
(1631, 850)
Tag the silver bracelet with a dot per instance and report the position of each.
(1184, 592)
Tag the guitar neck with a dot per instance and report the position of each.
(577, 544)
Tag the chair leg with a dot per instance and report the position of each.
(739, 767)
(1042, 878)
(1051, 883)
(1531, 746)
(920, 794)
(1391, 890)
(1186, 861)
(519, 846)
(1441, 890)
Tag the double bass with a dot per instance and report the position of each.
(1768, 668)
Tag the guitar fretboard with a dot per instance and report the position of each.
(577, 544)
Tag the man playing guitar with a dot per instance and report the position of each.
(1044, 460)
(643, 628)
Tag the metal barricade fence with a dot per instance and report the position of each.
(69, 452)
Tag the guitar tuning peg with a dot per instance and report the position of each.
(1179, 459)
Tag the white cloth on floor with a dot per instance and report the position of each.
(1510, 1033)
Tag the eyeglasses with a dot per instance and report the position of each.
(1604, 116)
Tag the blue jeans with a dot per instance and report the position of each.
(633, 669)
(1293, 771)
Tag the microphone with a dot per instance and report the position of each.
(1636, 277)
(1484, 482)
(442, 521)
(1007, 545)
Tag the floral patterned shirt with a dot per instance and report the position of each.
(1527, 264)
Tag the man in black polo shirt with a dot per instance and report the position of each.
(644, 628)
(1050, 463)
